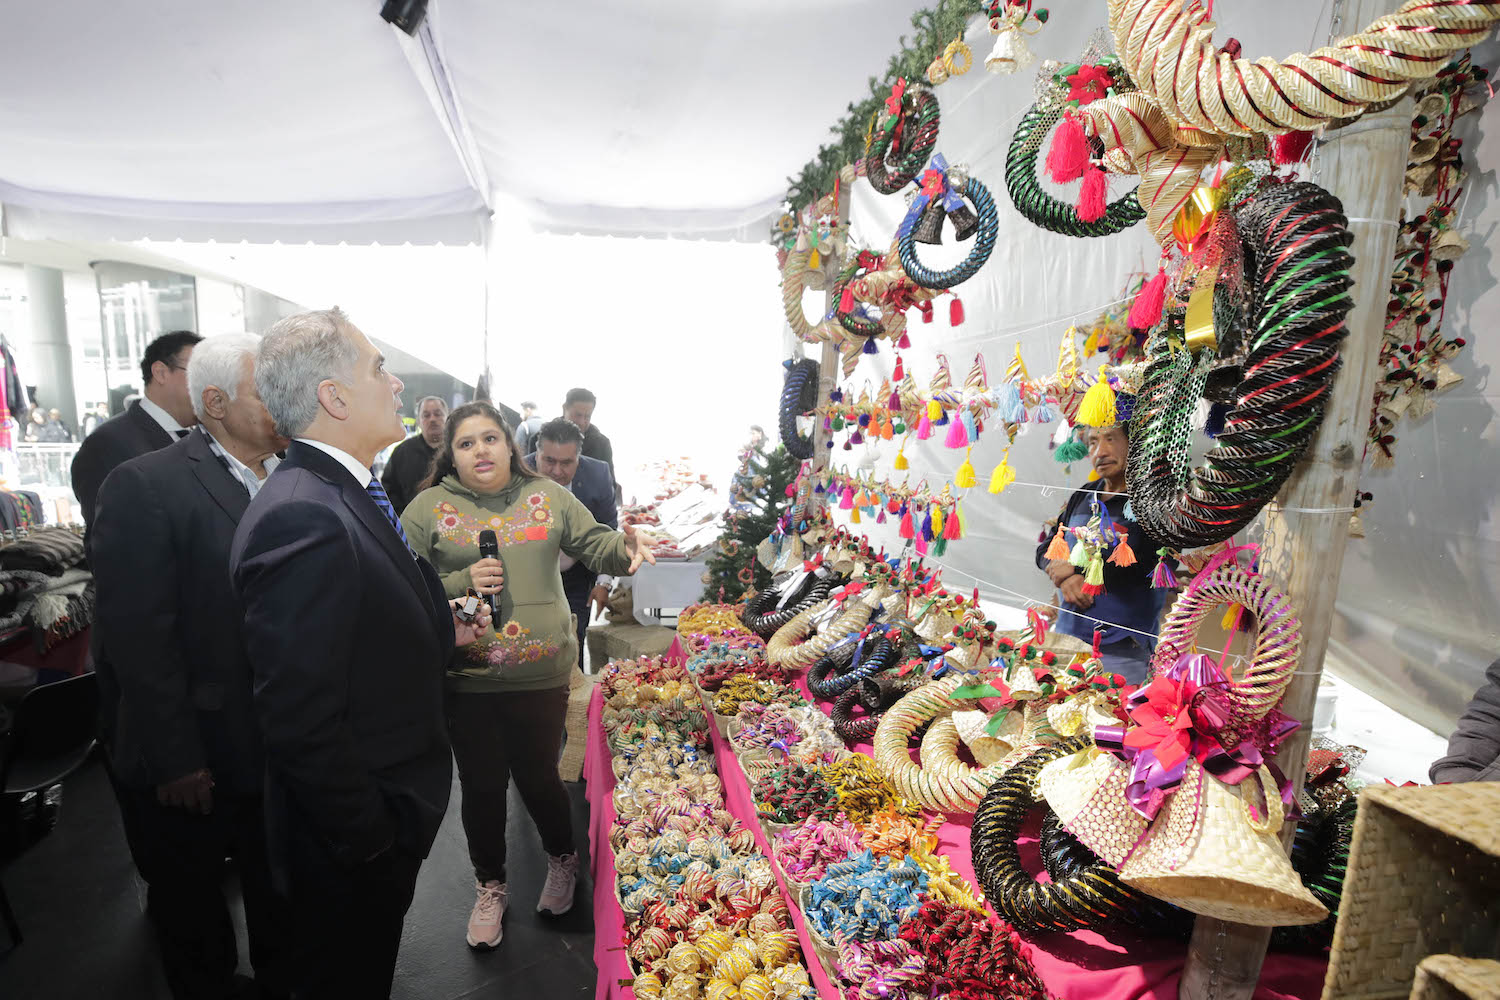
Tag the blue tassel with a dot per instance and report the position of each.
(927, 525)
(969, 426)
(870, 347)
(1045, 414)
(1214, 425)
(836, 396)
(1008, 402)
(1129, 513)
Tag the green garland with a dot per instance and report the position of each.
(935, 28)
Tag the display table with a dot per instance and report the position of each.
(667, 585)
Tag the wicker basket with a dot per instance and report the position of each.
(1423, 879)
(1450, 977)
(822, 947)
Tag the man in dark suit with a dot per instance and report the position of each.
(162, 415)
(578, 407)
(175, 684)
(559, 457)
(411, 459)
(348, 637)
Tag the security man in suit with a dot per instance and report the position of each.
(348, 636)
(559, 457)
(182, 740)
(162, 415)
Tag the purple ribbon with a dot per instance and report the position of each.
(952, 201)
(1208, 705)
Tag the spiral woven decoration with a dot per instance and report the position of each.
(956, 791)
(1042, 209)
(761, 616)
(919, 120)
(1297, 277)
(979, 253)
(1167, 47)
(879, 654)
(1090, 897)
(799, 394)
(867, 695)
(1255, 689)
(793, 283)
(856, 615)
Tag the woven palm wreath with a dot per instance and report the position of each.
(948, 187)
(800, 642)
(762, 617)
(910, 125)
(799, 394)
(1294, 240)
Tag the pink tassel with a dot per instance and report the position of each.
(1162, 578)
(1091, 196)
(958, 436)
(924, 428)
(846, 300)
(846, 499)
(955, 312)
(953, 527)
(894, 403)
(1145, 311)
(904, 342)
(900, 371)
(1069, 154)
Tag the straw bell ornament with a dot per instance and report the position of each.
(1010, 52)
(929, 228)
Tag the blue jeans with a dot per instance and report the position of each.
(1128, 658)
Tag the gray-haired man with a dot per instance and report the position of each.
(409, 462)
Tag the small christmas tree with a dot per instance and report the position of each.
(758, 496)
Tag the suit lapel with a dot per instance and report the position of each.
(215, 478)
(153, 431)
(364, 508)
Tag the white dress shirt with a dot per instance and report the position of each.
(241, 471)
(360, 472)
(167, 421)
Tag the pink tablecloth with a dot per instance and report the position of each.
(1082, 965)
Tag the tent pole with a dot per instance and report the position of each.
(1364, 165)
(828, 358)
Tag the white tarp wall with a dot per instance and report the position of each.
(1417, 602)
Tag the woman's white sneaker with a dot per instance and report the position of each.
(562, 879)
(488, 912)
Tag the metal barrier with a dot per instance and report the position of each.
(45, 464)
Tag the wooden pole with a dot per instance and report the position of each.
(1364, 165)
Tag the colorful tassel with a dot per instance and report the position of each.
(1045, 413)
(1290, 148)
(924, 428)
(880, 518)
(964, 477)
(1145, 311)
(952, 526)
(901, 463)
(887, 432)
(1008, 403)
(1080, 554)
(846, 300)
(1094, 476)
(1091, 205)
(1214, 425)
(1070, 451)
(846, 499)
(897, 376)
(870, 347)
(934, 410)
(1059, 547)
(894, 402)
(1098, 406)
(854, 516)
(927, 525)
(1093, 579)
(1162, 578)
(856, 438)
(1068, 155)
(814, 261)
(955, 312)
(1003, 475)
(907, 529)
(904, 342)
(921, 545)
(937, 522)
(958, 435)
(940, 547)
(1231, 620)
(1123, 555)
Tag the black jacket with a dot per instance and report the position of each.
(116, 441)
(1474, 747)
(597, 447)
(405, 470)
(174, 681)
(348, 636)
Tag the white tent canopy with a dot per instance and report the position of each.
(282, 120)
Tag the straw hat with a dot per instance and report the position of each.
(1214, 850)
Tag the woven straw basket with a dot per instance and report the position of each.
(1450, 977)
(1423, 879)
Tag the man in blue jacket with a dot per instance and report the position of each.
(558, 456)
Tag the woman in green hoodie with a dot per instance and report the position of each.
(508, 692)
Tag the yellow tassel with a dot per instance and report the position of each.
(963, 522)
(934, 410)
(813, 260)
(1091, 345)
(1094, 476)
(937, 521)
(854, 516)
(1231, 619)
(964, 477)
(1098, 406)
(1003, 475)
(901, 464)
(1059, 547)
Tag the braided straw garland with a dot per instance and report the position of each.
(1167, 47)
(951, 790)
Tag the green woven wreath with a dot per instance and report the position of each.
(1040, 208)
(918, 122)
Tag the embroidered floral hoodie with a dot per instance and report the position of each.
(531, 645)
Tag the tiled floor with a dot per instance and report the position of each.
(81, 907)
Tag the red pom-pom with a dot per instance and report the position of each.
(1091, 205)
(955, 311)
(1068, 156)
(1145, 311)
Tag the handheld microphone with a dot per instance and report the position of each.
(489, 548)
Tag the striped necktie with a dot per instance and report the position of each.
(378, 494)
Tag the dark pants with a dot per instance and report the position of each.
(347, 920)
(181, 857)
(497, 736)
(577, 587)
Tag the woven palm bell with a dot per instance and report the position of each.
(929, 228)
(965, 222)
(1010, 53)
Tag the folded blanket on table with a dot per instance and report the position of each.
(46, 550)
